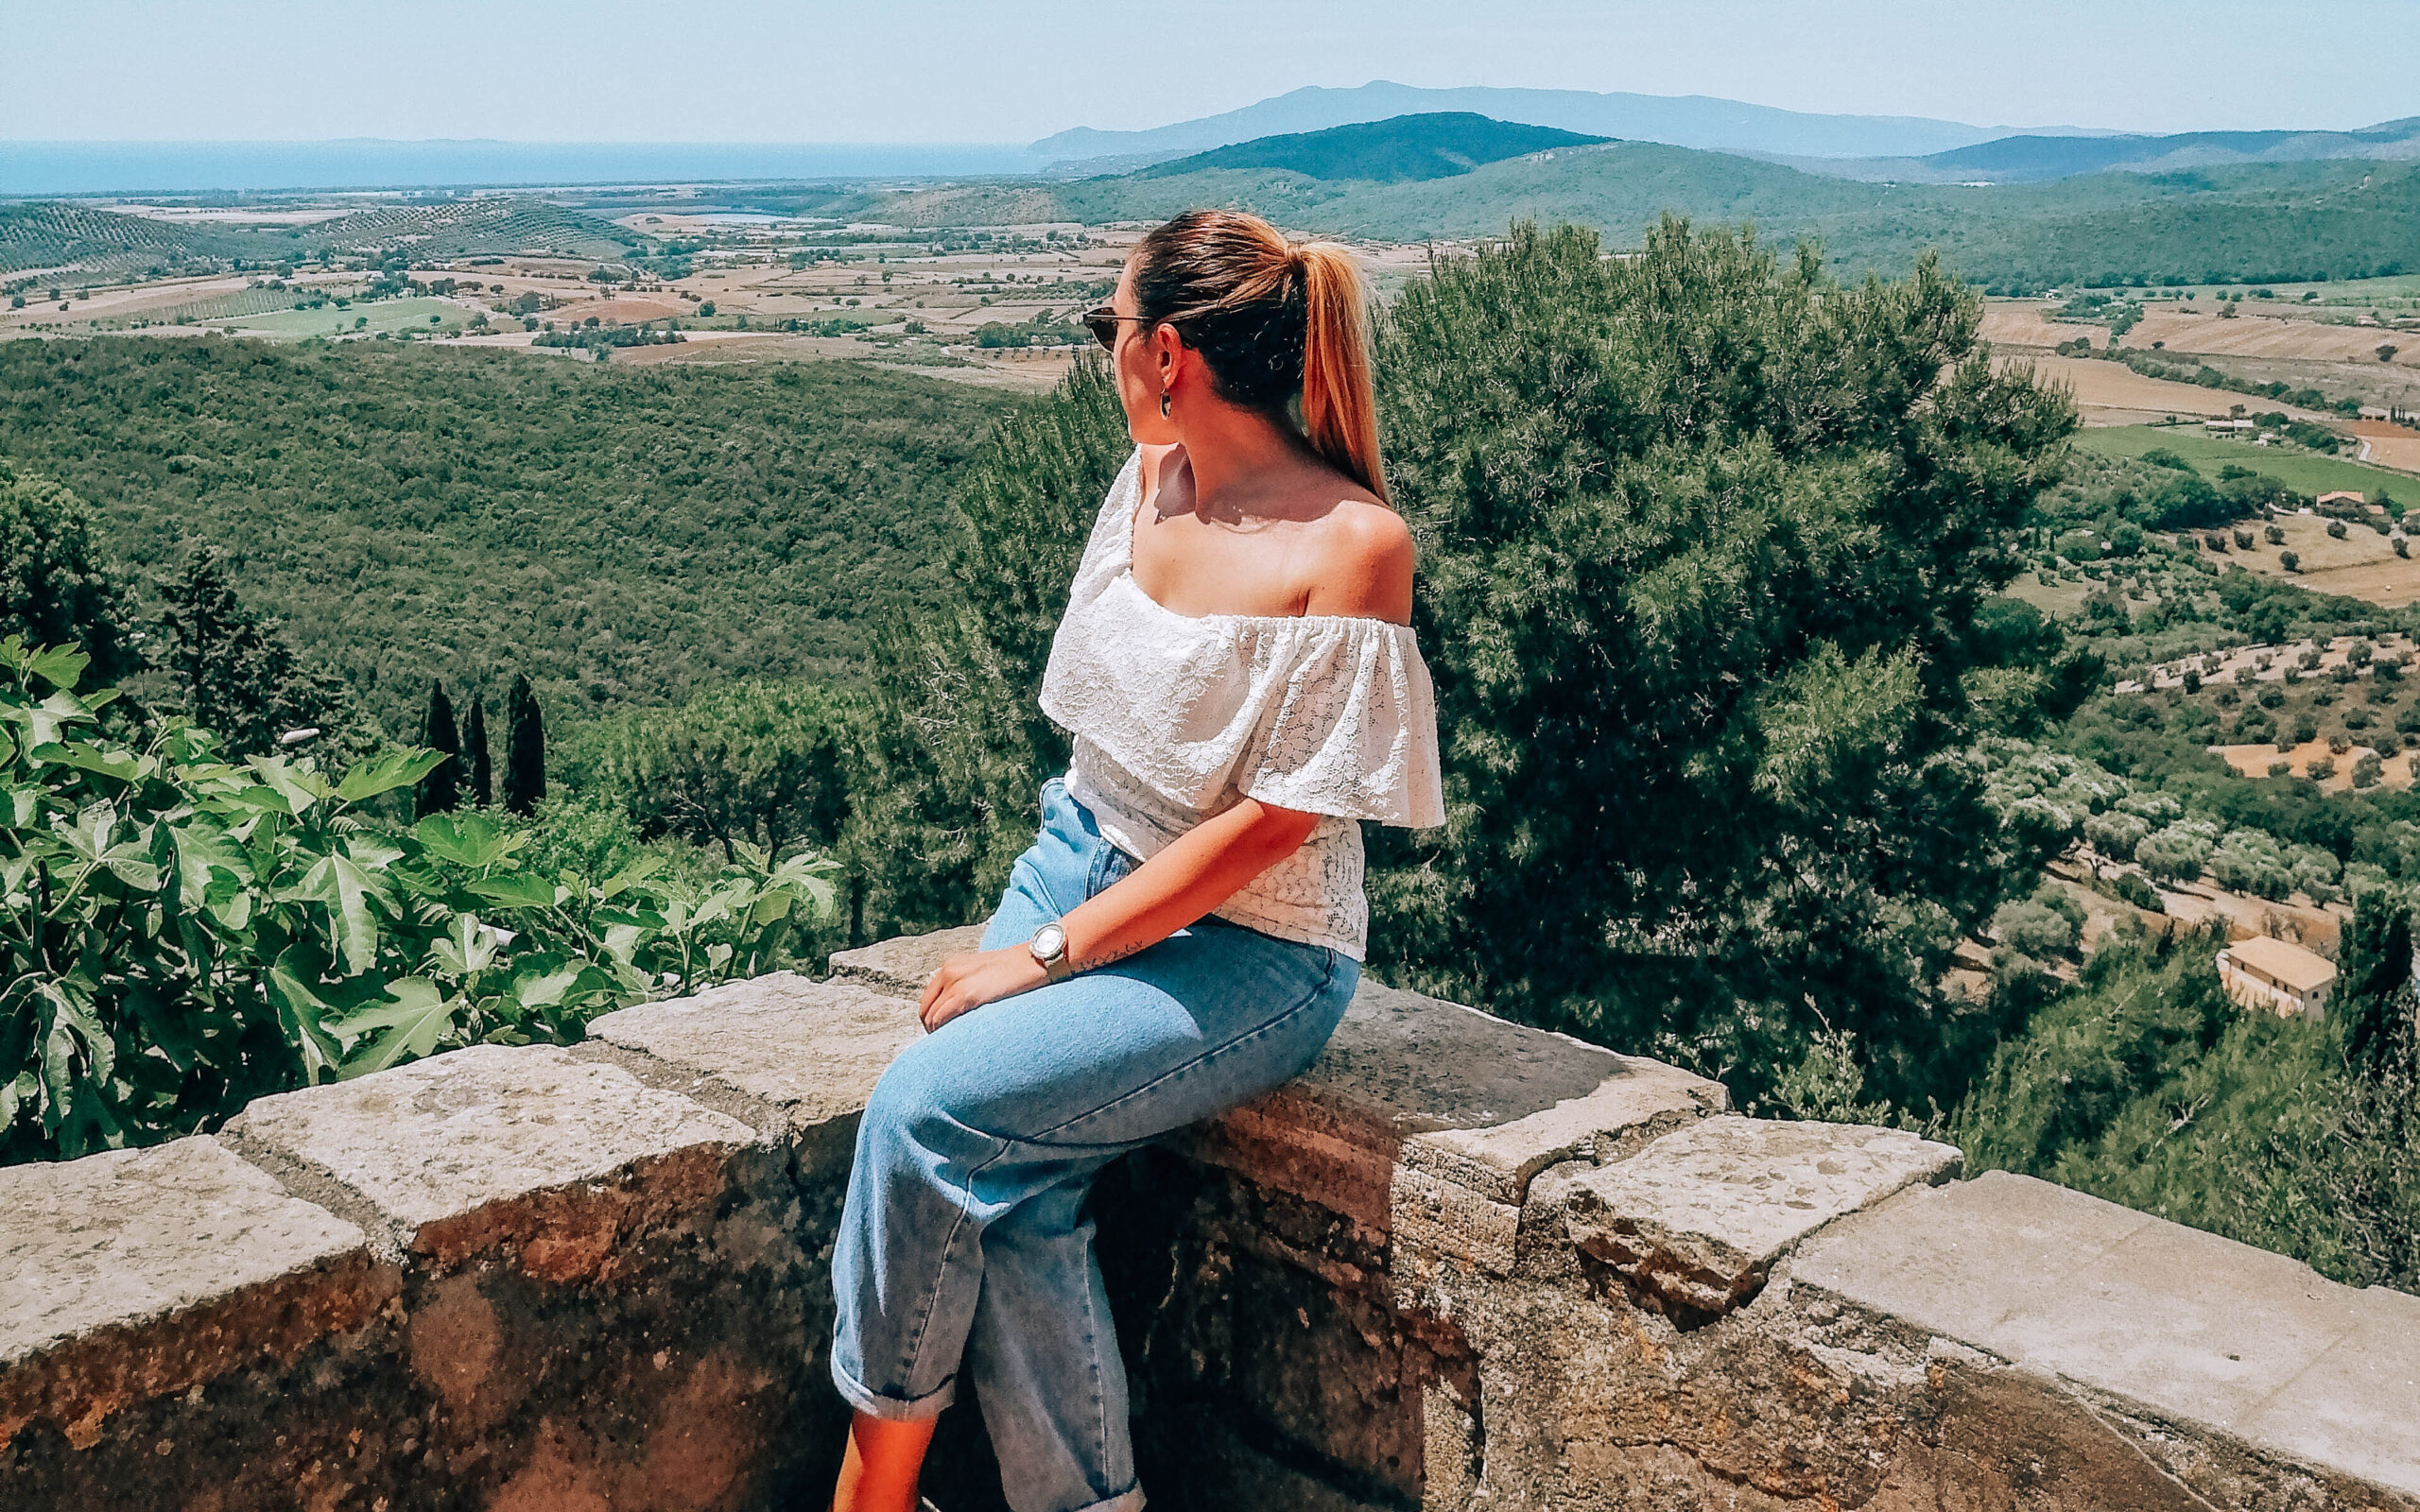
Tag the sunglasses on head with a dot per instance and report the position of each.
(1101, 321)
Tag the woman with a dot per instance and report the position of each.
(1237, 673)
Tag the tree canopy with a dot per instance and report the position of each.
(1704, 541)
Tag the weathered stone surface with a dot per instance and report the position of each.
(810, 1049)
(900, 966)
(521, 1147)
(2358, 1407)
(1426, 1120)
(1461, 1265)
(2194, 1327)
(1698, 1216)
(137, 1272)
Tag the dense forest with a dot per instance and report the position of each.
(622, 534)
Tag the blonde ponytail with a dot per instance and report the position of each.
(1277, 323)
(1339, 405)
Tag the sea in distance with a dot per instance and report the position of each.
(38, 168)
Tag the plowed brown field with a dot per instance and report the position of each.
(2111, 393)
(2022, 324)
(2388, 445)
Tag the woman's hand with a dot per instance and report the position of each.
(968, 981)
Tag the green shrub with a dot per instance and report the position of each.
(184, 932)
(2133, 887)
(2032, 928)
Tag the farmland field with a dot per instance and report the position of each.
(380, 315)
(2395, 446)
(2112, 394)
(2361, 565)
(2303, 471)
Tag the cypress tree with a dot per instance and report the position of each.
(524, 748)
(440, 791)
(475, 753)
(2373, 976)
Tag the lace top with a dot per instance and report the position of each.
(1177, 717)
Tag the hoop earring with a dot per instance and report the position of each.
(1164, 403)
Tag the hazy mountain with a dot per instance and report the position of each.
(1408, 148)
(1688, 121)
(2058, 157)
(2028, 158)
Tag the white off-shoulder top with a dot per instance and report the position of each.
(1177, 717)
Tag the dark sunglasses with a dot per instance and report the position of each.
(1101, 321)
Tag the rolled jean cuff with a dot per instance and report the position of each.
(898, 1409)
(1127, 1501)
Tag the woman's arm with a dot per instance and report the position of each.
(1198, 871)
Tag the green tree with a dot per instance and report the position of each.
(955, 745)
(1705, 534)
(524, 748)
(475, 750)
(2374, 974)
(440, 791)
(759, 763)
(55, 584)
(233, 669)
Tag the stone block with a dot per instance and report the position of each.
(2358, 1407)
(808, 1052)
(1698, 1216)
(901, 965)
(520, 1148)
(136, 1272)
(2198, 1328)
(1425, 1121)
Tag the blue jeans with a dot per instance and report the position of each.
(965, 1234)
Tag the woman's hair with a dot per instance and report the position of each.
(1275, 322)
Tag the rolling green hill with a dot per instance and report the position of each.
(626, 535)
(1408, 148)
(2280, 222)
(46, 235)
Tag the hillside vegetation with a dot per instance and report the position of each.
(623, 535)
(57, 234)
(1408, 148)
(2281, 222)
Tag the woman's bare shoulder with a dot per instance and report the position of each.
(1365, 564)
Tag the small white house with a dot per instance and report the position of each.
(2270, 974)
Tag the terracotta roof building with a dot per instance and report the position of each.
(2284, 979)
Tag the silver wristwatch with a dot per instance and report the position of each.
(1049, 948)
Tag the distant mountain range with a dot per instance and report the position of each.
(2259, 222)
(2033, 157)
(1685, 121)
(1870, 148)
(1409, 148)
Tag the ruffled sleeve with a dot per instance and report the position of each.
(1352, 729)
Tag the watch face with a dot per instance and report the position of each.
(1050, 941)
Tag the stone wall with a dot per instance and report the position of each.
(1461, 1265)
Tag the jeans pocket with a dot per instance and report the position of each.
(1108, 864)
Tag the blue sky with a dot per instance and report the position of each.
(962, 71)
